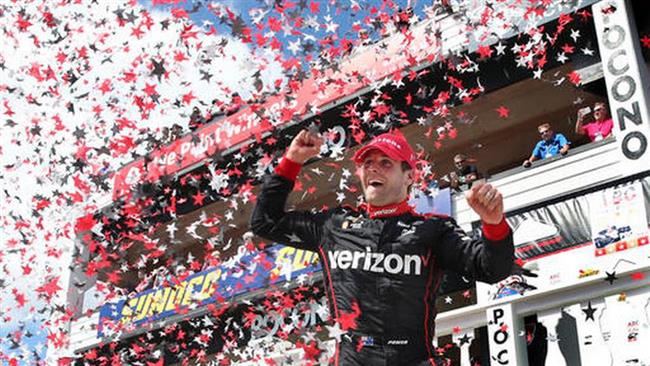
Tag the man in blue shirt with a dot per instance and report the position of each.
(550, 145)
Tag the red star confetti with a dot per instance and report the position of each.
(574, 77)
(637, 276)
(504, 112)
(89, 88)
(645, 41)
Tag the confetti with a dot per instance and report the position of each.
(90, 87)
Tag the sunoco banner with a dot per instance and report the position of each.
(251, 272)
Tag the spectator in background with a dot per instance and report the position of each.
(236, 103)
(465, 173)
(364, 38)
(215, 110)
(550, 145)
(176, 132)
(196, 119)
(466, 170)
(601, 126)
(165, 136)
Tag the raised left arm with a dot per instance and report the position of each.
(489, 259)
(487, 202)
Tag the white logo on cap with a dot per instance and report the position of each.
(390, 142)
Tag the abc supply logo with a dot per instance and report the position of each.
(376, 262)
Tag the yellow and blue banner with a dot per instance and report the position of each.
(216, 285)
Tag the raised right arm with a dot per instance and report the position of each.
(269, 219)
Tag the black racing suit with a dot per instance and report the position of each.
(380, 274)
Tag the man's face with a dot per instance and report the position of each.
(546, 133)
(600, 113)
(382, 179)
(459, 163)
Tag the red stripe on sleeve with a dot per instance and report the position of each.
(496, 232)
(288, 168)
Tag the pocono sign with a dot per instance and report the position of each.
(506, 347)
(626, 81)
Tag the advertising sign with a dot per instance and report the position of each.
(583, 236)
(625, 76)
(544, 235)
(302, 315)
(618, 219)
(506, 348)
(213, 286)
(550, 229)
(624, 329)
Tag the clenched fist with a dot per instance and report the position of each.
(486, 201)
(304, 146)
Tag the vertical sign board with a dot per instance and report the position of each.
(506, 346)
(627, 81)
(618, 220)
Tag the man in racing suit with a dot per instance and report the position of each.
(382, 262)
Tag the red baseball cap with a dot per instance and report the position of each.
(393, 145)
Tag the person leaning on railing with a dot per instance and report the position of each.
(549, 146)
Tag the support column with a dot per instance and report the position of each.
(593, 349)
(506, 337)
(463, 341)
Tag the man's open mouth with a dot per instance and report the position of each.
(375, 183)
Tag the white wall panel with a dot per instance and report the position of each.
(571, 173)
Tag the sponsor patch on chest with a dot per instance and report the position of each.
(352, 222)
(408, 264)
(406, 228)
